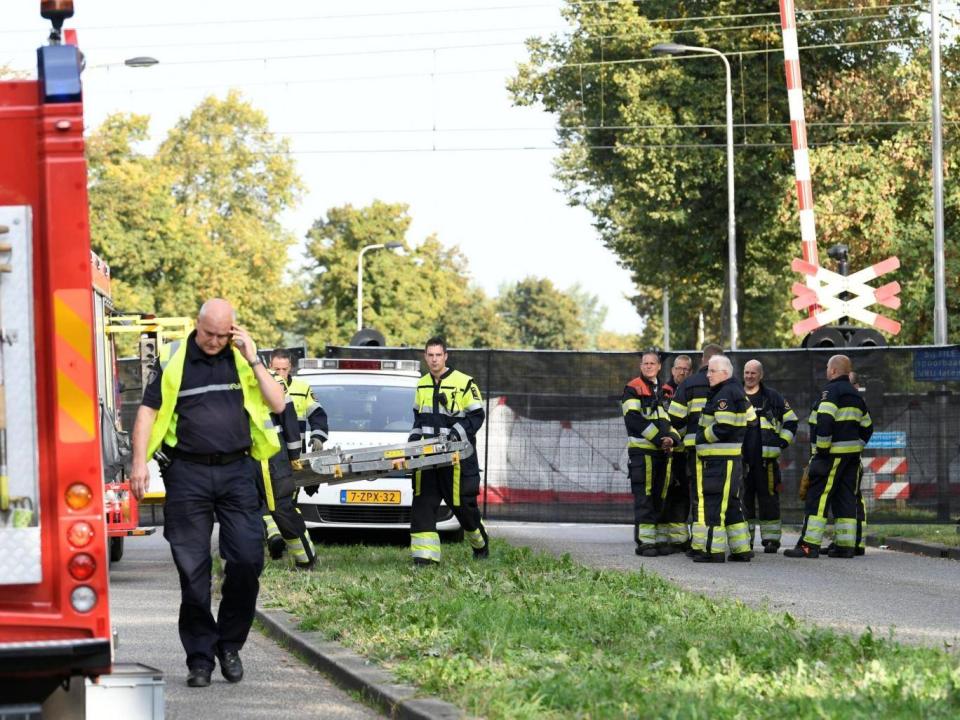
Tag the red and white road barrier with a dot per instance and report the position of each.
(885, 465)
(798, 129)
(820, 295)
(891, 491)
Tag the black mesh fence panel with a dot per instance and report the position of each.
(554, 444)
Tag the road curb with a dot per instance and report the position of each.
(353, 672)
(917, 548)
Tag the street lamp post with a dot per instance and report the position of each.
(675, 49)
(377, 246)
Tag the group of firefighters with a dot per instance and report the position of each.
(704, 455)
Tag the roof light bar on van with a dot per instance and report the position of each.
(358, 364)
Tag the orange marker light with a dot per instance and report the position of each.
(78, 496)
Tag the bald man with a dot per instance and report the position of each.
(840, 427)
(766, 438)
(205, 416)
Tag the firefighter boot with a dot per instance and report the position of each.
(741, 556)
(704, 557)
(771, 547)
(836, 551)
(647, 550)
(482, 552)
(803, 550)
(275, 546)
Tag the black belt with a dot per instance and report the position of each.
(213, 459)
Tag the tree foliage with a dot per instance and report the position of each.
(541, 316)
(408, 297)
(233, 178)
(200, 218)
(643, 148)
(136, 225)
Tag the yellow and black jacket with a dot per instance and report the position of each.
(449, 408)
(774, 429)
(723, 422)
(687, 404)
(840, 422)
(646, 420)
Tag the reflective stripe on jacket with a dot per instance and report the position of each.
(723, 422)
(263, 434)
(840, 423)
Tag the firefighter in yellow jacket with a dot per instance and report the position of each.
(448, 406)
(205, 415)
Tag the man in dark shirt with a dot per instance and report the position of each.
(205, 416)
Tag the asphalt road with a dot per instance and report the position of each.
(144, 602)
(917, 598)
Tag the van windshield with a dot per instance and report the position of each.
(367, 408)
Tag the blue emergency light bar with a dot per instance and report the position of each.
(58, 67)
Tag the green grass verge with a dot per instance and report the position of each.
(528, 635)
(939, 534)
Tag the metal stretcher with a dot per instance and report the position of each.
(335, 465)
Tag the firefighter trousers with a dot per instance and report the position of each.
(290, 522)
(676, 506)
(196, 496)
(648, 472)
(719, 522)
(432, 485)
(761, 499)
(833, 486)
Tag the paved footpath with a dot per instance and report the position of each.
(917, 598)
(144, 601)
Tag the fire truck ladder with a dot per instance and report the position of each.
(336, 466)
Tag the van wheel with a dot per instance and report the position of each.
(452, 536)
(116, 549)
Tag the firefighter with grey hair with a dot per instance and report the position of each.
(719, 523)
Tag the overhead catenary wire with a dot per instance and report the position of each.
(469, 31)
(582, 64)
(221, 22)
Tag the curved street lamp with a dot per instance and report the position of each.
(140, 61)
(389, 246)
(676, 49)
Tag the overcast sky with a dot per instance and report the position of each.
(401, 101)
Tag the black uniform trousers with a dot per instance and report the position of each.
(834, 481)
(719, 523)
(289, 520)
(676, 508)
(196, 495)
(690, 469)
(435, 484)
(761, 497)
(648, 471)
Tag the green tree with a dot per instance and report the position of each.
(136, 225)
(644, 147)
(233, 178)
(592, 313)
(541, 316)
(408, 297)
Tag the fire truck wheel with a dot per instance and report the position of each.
(116, 549)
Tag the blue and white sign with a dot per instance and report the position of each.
(936, 364)
(887, 441)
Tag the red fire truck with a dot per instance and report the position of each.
(54, 612)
